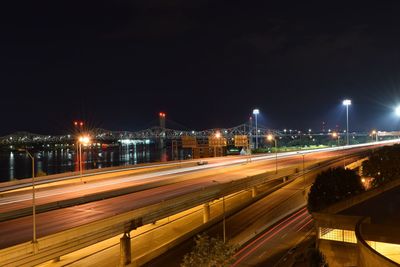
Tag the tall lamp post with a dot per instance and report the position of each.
(255, 113)
(374, 132)
(85, 140)
(347, 103)
(270, 137)
(34, 240)
(336, 136)
(304, 171)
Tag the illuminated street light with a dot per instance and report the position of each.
(347, 103)
(304, 171)
(255, 113)
(397, 111)
(336, 136)
(85, 140)
(374, 132)
(34, 240)
(218, 136)
(270, 137)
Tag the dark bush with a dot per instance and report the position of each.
(332, 186)
(383, 165)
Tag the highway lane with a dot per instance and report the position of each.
(271, 245)
(97, 173)
(22, 199)
(110, 172)
(19, 230)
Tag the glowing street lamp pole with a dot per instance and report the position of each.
(82, 140)
(256, 112)
(270, 137)
(337, 136)
(218, 136)
(374, 132)
(304, 170)
(34, 240)
(347, 103)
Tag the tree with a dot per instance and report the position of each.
(383, 165)
(332, 186)
(209, 252)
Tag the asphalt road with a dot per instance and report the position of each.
(20, 230)
(53, 192)
(270, 246)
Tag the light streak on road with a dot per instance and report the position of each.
(300, 218)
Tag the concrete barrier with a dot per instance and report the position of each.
(368, 257)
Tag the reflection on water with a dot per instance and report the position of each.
(17, 165)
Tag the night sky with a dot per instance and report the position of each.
(116, 64)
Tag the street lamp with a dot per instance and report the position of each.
(336, 136)
(375, 132)
(270, 137)
(304, 171)
(218, 136)
(397, 111)
(224, 219)
(34, 240)
(256, 112)
(347, 103)
(85, 140)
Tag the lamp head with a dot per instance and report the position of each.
(84, 140)
(397, 111)
(347, 102)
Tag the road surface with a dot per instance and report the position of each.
(20, 230)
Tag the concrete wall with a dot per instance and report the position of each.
(368, 257)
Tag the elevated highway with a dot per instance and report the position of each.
(67, 229)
